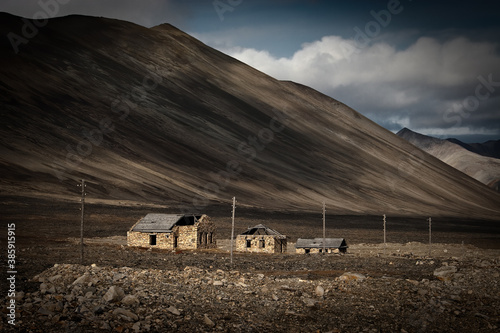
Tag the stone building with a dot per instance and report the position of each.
(173, 232)
(261, 239)
(332, 245)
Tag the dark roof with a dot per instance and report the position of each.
(336, 243)
(261, 229)
(153, 222)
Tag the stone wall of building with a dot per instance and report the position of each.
(280, 245)
(206, 233)
(142, 239)
(187, 237)
(316, 250)
(260, 244)
(190, 237)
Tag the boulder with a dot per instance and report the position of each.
(173, 310)
(130, 300)
(445, 273)
(320, 291)
(85, 278)
(114, 294)
(207, 321)
(125, 314)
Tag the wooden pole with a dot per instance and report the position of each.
(232, 228)
(430, 235)
(82, 219)
(385, 244)
(324, 229)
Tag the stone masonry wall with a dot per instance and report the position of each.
(256, 245)
(280, 245)
(316, 250)
(140, 239)
(206, 233)
(190, 237)
(187, 237)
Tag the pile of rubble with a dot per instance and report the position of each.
(457, 296)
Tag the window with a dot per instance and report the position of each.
(307, 250)
(152, 239)
(249, 243)
(262, 243)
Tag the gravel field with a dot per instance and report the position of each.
(397, 287)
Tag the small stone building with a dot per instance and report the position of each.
(261, 239)
(332, 245)
(173, 232)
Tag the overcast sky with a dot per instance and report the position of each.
(431, 66)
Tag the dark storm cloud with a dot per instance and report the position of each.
(145, 12)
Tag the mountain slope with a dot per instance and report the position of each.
(489, 148)
(484, 169)
(154, 115)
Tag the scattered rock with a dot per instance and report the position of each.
(320, 291)
(45, 312)
(352, 276)
(445, 273)
(114, 294)
(130, 300)
(309, 302)
(290, 295)
(19, 296)
(125, 314)
(207, 321)
(137, 327)
(85, 278)
(173, 310)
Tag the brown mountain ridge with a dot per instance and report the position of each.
(155, 116)
(485, 169)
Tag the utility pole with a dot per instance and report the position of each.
(81, 223)
(232, 229)
(385, 244)
(430, 235)
(324, 229)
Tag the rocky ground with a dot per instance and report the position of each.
(136, 290)
(389, 289)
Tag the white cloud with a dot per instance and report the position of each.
(330, 63)
(399, 86)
